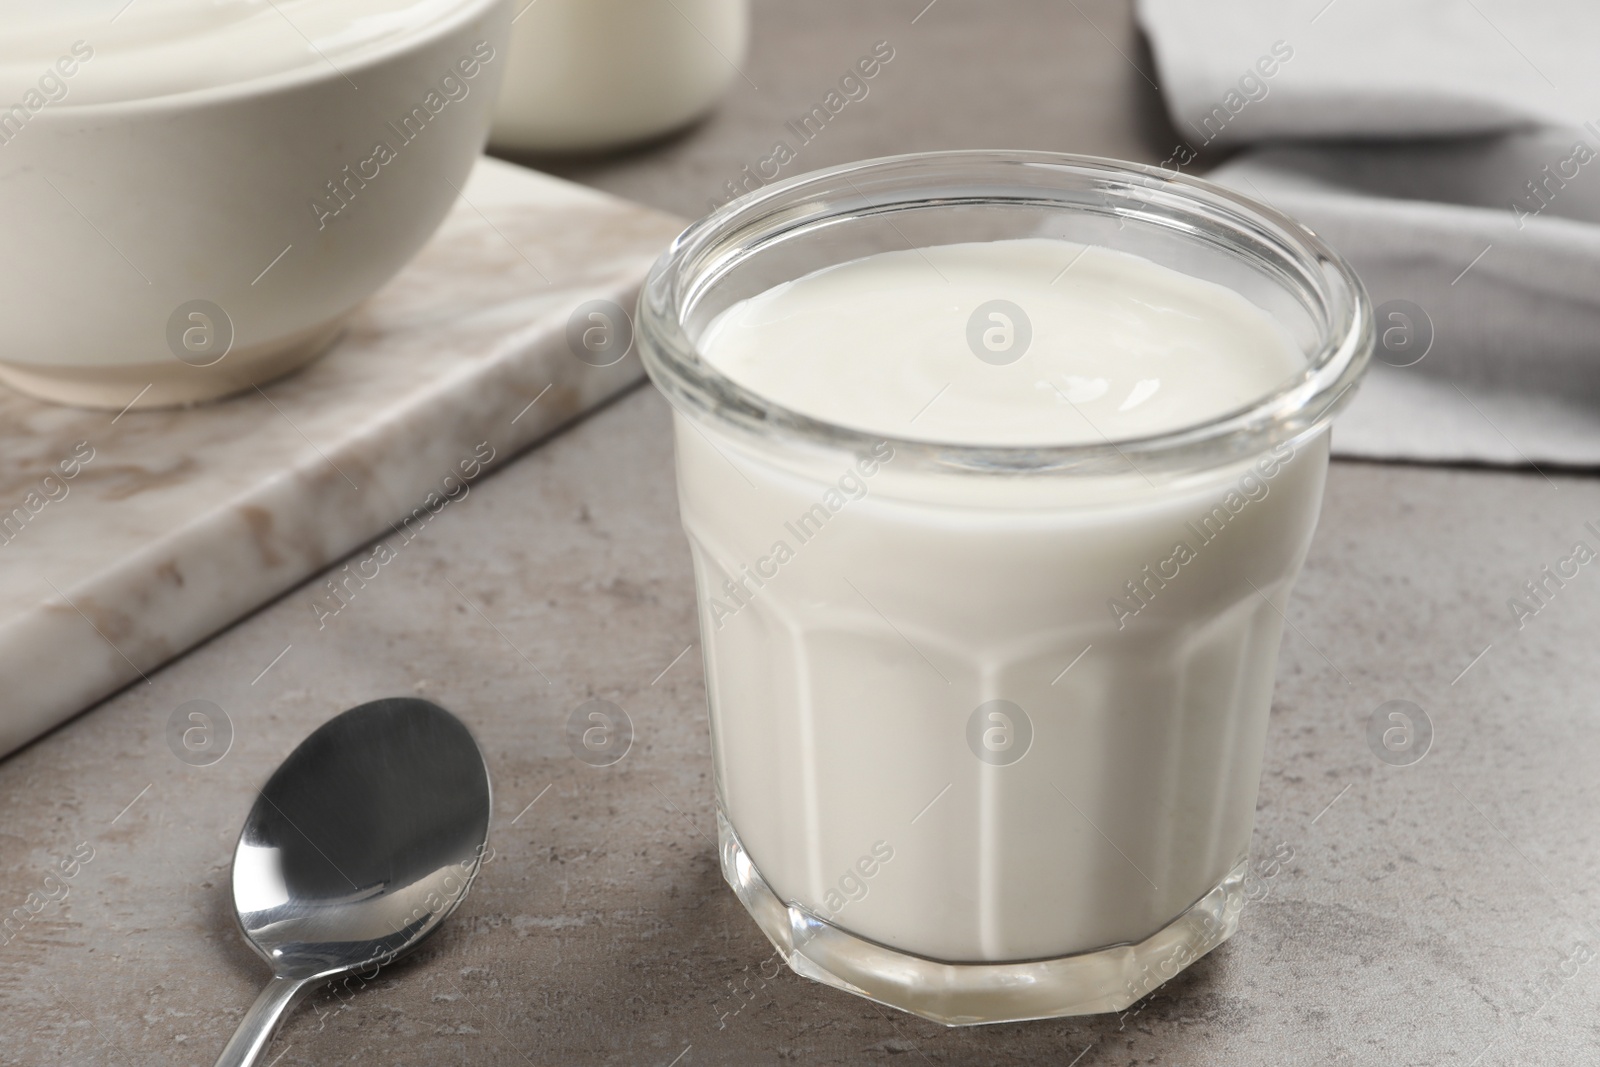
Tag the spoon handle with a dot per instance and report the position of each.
(256, 1028)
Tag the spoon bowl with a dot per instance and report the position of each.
(357, 848)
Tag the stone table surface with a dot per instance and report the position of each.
(1436, 913)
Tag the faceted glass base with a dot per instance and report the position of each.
(964, 994)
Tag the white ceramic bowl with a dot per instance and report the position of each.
(585, 75)
(177, 242)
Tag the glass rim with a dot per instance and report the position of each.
(713, 246)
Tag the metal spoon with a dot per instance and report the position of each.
(357, 848)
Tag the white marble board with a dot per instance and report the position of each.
(186, 520)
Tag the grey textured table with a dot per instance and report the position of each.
(1427, 914)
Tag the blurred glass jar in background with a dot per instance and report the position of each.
(587, 75)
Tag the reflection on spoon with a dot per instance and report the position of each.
(357, 848)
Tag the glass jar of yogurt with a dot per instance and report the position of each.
(997, 469)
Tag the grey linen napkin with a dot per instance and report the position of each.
(1450, 149)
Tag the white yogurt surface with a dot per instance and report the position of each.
(1121, 347)
(151, 48)
(857, 617)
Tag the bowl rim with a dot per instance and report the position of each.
(279, 82)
